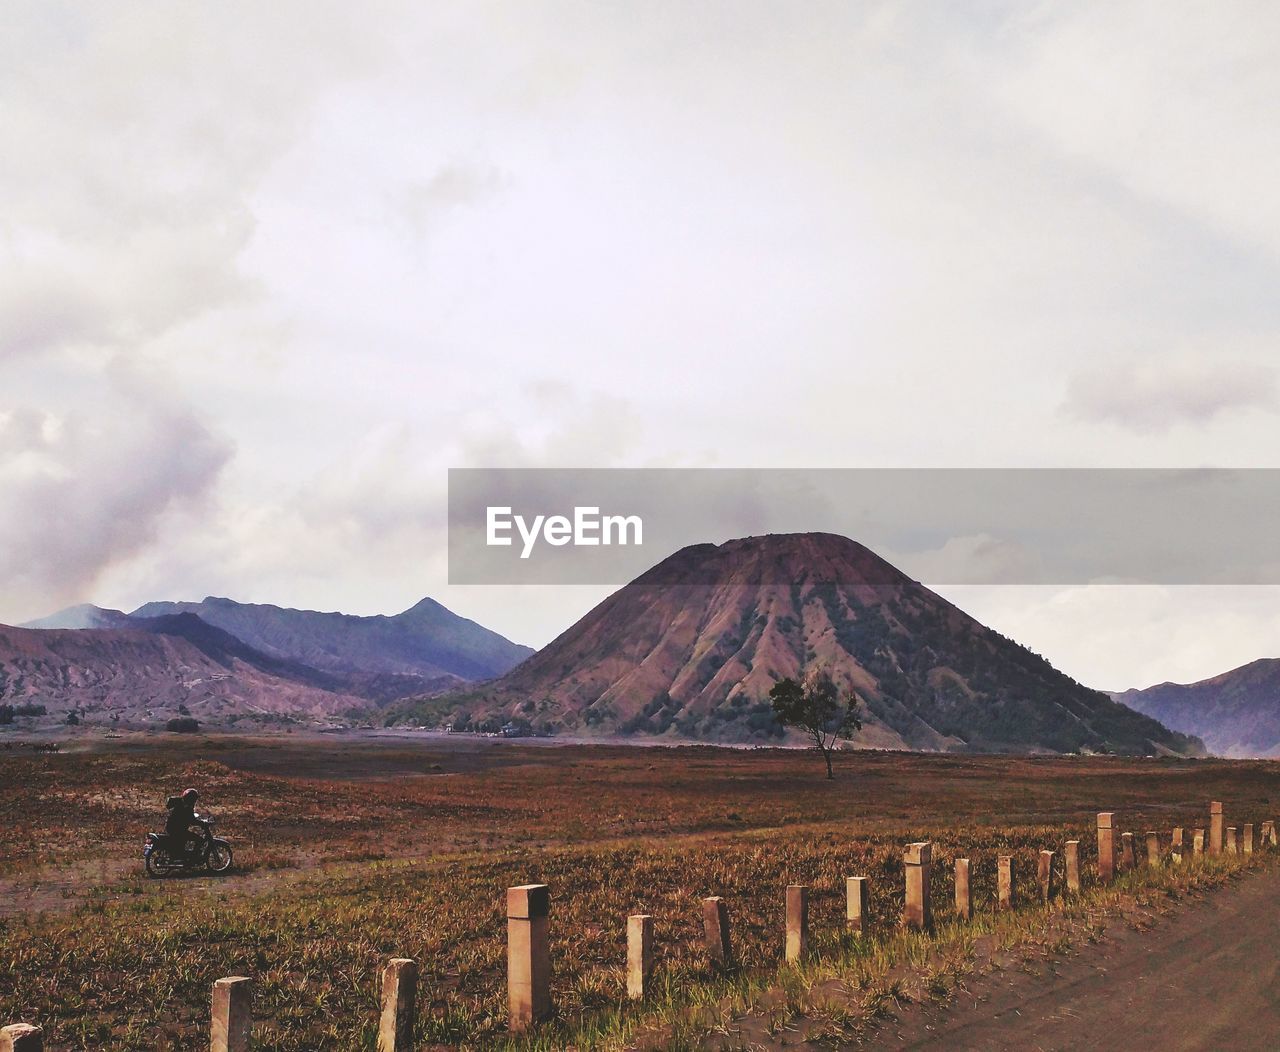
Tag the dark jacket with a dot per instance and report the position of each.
(182, 813)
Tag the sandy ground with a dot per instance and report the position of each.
(1206, 977)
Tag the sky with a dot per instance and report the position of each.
(268, 271)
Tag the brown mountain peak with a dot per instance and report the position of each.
(693, 645)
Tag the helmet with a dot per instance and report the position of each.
(190, 794)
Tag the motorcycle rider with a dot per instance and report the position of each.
(182, 816)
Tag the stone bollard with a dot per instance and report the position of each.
(1044, 876)
(797, 922)
(528, 956)
(639, 955)
(1215, 827)
(964, 903)
(1271, 830)
(1197, 842)
(1264, 834)
(1106, 847)
(1127, 861)
(856, 903)
(232, 1014)
(1004, 882)
(1153, 849)
(715, 923)
(399, 1005)
(1175, 846)
(917, 912)
(1248, 838)
(1073, 867)
(21, 1037)
(1231, 840)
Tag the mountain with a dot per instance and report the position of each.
(693, 645)
(84, 616)
(143, 674)
(425, 649)
(1236, 713)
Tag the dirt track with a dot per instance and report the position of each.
(1206, 977)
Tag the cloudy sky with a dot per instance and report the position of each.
(268, 271)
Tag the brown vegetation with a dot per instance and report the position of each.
(355, 851)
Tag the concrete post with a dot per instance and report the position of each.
(232, 1014)
(1073, 867)
(715, 923)
(856, 903)
(1215, 827)
(1106, 847)
(1153, 849)
(1197, 842)
(918, 862)
(1127, 861)
(528, 956)
(399, 1005)
(1264, 835)
(21, 1037)
(1271, 829)
(1175, 847)
(1230, 843)
(964, 903)
(1248, 838)
(1004, 882)
(797, 942)
(639, 955)
(1044, 875)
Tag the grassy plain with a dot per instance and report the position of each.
(352, 850)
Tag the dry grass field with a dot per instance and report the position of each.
(352, 850)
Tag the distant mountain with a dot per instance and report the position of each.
(84, 616)
(1236, 713)
(143, 674)
(425, 649)
(693, 646)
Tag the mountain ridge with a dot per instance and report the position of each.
(156, 669)
(1236, 712)
(424, 649)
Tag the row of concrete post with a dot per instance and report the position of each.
(528, 909)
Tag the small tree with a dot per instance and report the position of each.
(815, 705)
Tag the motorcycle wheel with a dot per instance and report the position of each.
(219, 857)
(157, 864)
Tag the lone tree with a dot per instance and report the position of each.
(815, 705)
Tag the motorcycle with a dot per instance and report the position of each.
(201, 852)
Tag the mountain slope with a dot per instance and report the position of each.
(427, 647)
(142, 674)
(1236, 713)
(665, 655)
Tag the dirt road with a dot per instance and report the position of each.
(1206, 977)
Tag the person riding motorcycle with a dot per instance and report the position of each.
(182, 816)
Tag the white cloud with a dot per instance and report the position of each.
(1153, 396)
(366, 244)
(83, 493)
(1113, 637)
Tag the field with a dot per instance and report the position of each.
(352, 850)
